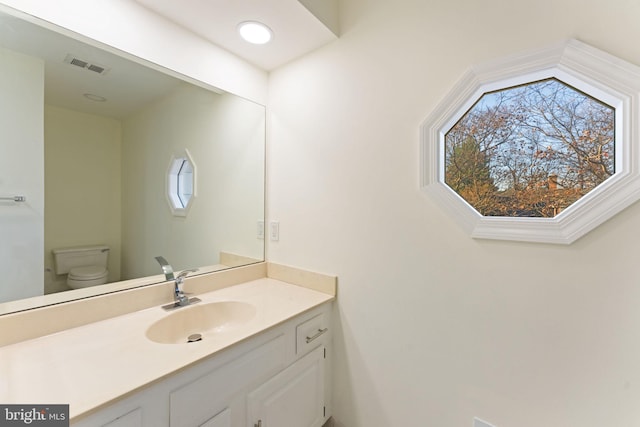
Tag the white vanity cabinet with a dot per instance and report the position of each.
(293, 397)
(278, 378)
(131, 419)
(223, 419)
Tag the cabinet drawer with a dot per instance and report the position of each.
(310, 333)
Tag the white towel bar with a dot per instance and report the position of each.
(14, 198)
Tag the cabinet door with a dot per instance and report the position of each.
(292, 398)
(132, 419)
(195, 402)
(223, 419)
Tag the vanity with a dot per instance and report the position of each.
(254, 353)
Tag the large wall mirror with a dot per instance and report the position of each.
(89, 137)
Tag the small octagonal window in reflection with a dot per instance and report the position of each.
(184, 182)
(181, 181)
(531, 150)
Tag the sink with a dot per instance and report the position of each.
(197, 322)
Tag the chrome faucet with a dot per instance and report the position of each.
(180, 299)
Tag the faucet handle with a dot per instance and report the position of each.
(184, 273)
(180, 295)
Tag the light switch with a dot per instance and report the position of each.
(274, 231)
(260, 229)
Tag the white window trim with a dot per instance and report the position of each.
(593, 71)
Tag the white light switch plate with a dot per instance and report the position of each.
(274, 231)
(260, 229)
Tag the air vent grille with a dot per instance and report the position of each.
(96, 68)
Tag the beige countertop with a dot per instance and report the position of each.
(92, 365)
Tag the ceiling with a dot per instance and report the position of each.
(299, 26)
(129, 86)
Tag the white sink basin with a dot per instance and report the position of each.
(185, 324)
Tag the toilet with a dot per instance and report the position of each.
(84, 266)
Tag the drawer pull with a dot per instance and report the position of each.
(320, 332)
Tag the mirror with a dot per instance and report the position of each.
(93, 136)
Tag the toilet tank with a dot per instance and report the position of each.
(67, 258)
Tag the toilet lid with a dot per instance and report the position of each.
(87, 273)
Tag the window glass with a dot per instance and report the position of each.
(184, 182)
(530, 150)
(180, 184)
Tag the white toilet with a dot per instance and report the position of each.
(84, 266)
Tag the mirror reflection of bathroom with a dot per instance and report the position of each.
(100, 139)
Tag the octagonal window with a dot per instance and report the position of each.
(530, 150)
(181, 184)
(542, 146)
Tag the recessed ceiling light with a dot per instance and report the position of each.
(94, 97)
(255, 32)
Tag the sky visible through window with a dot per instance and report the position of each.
(530, 150)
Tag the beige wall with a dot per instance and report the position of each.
(82, 191)
(433, 327)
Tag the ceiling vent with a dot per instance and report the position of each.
(96, 68)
